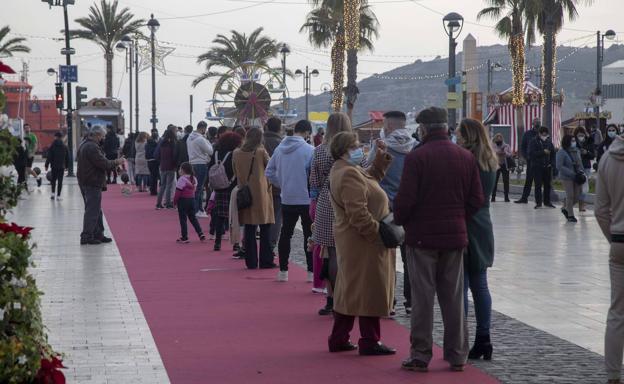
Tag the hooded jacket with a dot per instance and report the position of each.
(58, 155)
(199, 149)
(568, 162)
(609, 205)
(399, 143)
(289, 169)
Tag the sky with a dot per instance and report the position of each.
(409, 30)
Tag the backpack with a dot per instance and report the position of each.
(217, 176)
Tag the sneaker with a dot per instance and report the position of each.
(572, 219)
(549, 205)
(282, 276)
(414, 365)
(159, 207)
(52, 197)
(538, 206)
(38, 181)
(59, 198)
(202, 238)
(319, 290)
(326, 310)
(522, 201)
(310, 278)
(182, 240)
(201, 214)
(169, 206)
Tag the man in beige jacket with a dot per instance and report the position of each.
(609, 211)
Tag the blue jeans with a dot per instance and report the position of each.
(201, 172)
(477, 282)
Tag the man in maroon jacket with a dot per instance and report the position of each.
(440, 189)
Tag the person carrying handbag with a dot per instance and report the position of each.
(254, 199)
(571, 174)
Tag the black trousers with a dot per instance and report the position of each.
(57, 180)
(290, 216)
(505, 172)
(92, 223)
(543, 179)
(186, 210)
(528, 182)
(407, 286)
(251, 247)
(154, 169)
(21, 175)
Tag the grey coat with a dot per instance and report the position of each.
(480, 252)
(567, 162)
(140, 162)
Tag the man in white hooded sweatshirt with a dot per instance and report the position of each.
(609, 211)
(199, 152)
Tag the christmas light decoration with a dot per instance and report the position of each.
(516, 49)
(337, 69)
(352, 24)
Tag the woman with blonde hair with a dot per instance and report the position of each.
(479, 255)
(141, 169)
(323, 231)
(250, 161)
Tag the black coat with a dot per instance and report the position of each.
(590, 154)
(58, 155)
(20, 157)
(181, 151)
(129, 150)
(111, 145)
(538, 158)
(527, 139)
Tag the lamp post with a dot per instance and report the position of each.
(126, 45)
(326, 88)
(491, 67)
(610, 34)
(136, 82)
(284, 51)
(153, 25)
(453, 24)
(306, 84)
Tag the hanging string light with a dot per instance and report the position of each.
(337, 70)
(516, 48)
(352, 24)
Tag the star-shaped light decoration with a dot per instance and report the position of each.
(160, 52)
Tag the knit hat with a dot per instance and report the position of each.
(432, 115)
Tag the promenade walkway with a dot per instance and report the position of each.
(146, 310)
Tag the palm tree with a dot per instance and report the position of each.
(105, 26)
(10, 46)
(550, 16)
(325, 27)
(231, 52)
(512, 16)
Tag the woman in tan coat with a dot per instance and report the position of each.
(249, 164)
(365, 280)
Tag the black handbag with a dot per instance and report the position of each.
(579, 178)
(243, 196)
(392, 235)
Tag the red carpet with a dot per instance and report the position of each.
(216, 322)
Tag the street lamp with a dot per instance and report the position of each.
(327, 88)
(284, 51)
(610, 35)
(306, 84)
(491, 67)
(453, 24)
(126, 45)
(153, 26)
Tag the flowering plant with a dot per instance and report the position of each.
(14, 228)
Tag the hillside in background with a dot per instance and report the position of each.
(576, 76)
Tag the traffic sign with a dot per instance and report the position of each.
(453, 81)
(68, 73)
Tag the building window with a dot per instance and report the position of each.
(613, 91)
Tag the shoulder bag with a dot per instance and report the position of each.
(392, 235)
(243, 196)
(579, 178)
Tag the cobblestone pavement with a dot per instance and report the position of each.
(89, 306)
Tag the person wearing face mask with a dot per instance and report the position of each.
(503, 153)
(289, 169)
(541, 158)
(366, 268)
(587, 150)
(527, 138)
(91, 175)
(569, 164)
(612, 132)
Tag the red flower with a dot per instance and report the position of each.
(24, 231)
(49, 372)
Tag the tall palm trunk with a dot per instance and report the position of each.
(351, 91)
(338, 58)
(516, 49)
(108, 56)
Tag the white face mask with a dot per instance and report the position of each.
(581, 139)
(573, 144)
(544, 137)
(612, 134)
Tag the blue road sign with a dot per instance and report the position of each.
(453, 81)
(68, 73)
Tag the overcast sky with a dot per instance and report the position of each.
(409, 29)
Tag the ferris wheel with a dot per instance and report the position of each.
(248, 95)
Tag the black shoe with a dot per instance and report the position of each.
(105, 239)
(217, 245)
(378, 350)
(326, 310)
(482, 347)
(346, 347)
(414, 365)
(522, 201)
(202, 237)
(270, 266)
(538, 206)
(159, 207)
(90, 242)
(169, 206)
(565, 212)
(572, 219)
(493, 199)
(507, 200)
(549, 205)
(236, 247)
